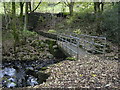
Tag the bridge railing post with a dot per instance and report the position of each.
(93, 46)
(78, 48)
(70, 39)
(70, 44)
(65, 43)
(104, 50)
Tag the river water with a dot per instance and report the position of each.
(22, 73)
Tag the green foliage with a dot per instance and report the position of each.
(71, 58)
(110, 23)
(1, 8)
(83, 7)
(65, 13)
(16, 35)
(60, 25)
(77, 31)
(80, 46)
(8, 7)
(51, 31)
(25, 36)
(7, 35)
(41, 19)
(44, 68)
(70, 20)
(27, 33)
(86, 16)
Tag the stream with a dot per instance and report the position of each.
(23, 73)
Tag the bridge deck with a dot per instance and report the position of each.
(70, 44)
(69, 49)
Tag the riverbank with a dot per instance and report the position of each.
(34, 47)
(25, 66)
(88, 72)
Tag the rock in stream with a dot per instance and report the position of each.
(21, 74)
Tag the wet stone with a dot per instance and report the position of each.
(21, 74)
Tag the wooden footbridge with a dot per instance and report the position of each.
(81, 45)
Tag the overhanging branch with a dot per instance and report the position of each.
(37, 6)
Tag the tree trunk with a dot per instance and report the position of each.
(32, 4)
(98, 23)
(6, 16)
(102, 7)
(26, 16)
(21, 15)
(98, 7)
(13, 9)
(30, 7)
(21, 9)
(15, 34)
(71, 5)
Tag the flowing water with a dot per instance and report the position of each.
(22, 74)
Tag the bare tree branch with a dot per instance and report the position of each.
(37, 6)
(57, 3)
(66, 4)
(30, 6)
